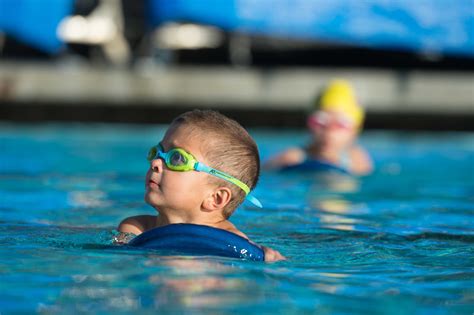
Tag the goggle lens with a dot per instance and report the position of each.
(176, 159)
(152, 154)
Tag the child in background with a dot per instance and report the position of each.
(199, 194)
(334, 125)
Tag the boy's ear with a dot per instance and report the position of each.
(218, 199)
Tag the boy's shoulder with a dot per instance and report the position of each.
(228, 226)
(137, 224)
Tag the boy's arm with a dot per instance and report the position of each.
(135, 225)
(272, 255)
(131, 227)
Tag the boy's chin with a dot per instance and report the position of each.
(152, 199)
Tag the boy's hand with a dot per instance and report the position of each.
(122, 238)
(272, 255)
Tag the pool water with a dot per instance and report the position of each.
(397, 242)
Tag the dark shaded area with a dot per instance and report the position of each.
(14, 49)
(136, 26)
(264, 55)
(363, 58)
(267, 56)
(165, 113)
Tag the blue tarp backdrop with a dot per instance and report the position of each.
(439, 26)
(34, 22)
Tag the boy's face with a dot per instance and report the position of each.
(332, 129)
(172, 191)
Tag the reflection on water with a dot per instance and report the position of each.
(166, 283)
(85, 199)
(326, 195)
(193, 283)
(335, 183)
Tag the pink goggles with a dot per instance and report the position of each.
(322, 119)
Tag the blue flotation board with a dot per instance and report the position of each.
(314, 165)
(199, 240)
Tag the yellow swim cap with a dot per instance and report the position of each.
(339, 96)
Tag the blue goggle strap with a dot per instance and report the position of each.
(200, 167)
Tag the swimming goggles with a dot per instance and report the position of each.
(179, 160)
(321, 119)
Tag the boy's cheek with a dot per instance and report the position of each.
(147, 176)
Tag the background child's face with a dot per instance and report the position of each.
(178, 192)
(336, 131)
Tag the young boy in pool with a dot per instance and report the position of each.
(206, 193)
(334, 125)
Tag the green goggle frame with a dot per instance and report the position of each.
(179, 160)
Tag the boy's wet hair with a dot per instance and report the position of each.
(227, 147)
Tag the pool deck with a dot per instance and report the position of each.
(71, 91)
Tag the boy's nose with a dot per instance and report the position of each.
(157, 165)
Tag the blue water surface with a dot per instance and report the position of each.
(397, 242)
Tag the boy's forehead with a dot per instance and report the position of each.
(186, 137)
